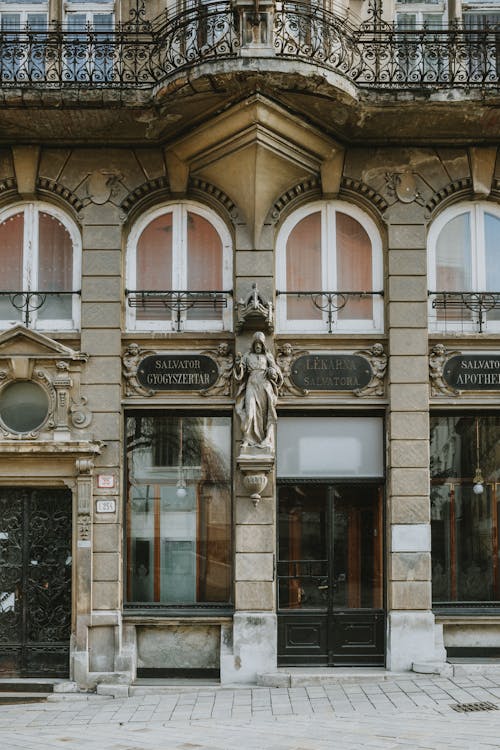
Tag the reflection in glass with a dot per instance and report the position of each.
(179, 532)
(464, 524)
(330, 547)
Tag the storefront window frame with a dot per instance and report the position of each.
(471, 607)
(188, 610)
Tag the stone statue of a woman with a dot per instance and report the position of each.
(260, 379)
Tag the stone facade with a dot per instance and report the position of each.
(252, 147)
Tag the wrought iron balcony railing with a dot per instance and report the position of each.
(465, 311)
(141, 54)
(152, 304)
(331, 303)
(46, 305)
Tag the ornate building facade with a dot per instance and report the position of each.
(250, 337)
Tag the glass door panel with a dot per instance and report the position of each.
(330, 574)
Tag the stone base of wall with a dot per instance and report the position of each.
(251, 649)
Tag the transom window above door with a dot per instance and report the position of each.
(40, 258)
(179, 272)
(464, 269)
(329, 271)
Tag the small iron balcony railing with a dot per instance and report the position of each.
(51, 305)
(464, 310)
(178, 302)
(142, 54)
(331, 303)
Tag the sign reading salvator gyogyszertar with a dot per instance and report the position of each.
(331, 372)
(473, 372)
(177, 372)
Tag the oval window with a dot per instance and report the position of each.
(24, 406)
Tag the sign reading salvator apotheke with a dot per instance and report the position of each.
(331, 372)
(177, 372)
(473, 372)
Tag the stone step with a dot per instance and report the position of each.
(17, 696)
(25, 685)
(305, 676)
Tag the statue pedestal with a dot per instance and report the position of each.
(255, 465)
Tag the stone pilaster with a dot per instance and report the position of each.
(410, 619)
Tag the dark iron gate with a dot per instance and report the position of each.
(35, 581)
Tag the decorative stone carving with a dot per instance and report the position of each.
(56, 369)
(286, 355)
(437, 360)
(84, 526)
(132, 355)
(378, 364)
(225, 363)
(81, 416)
(260, 379)
(403, 186)
(255, 311)
(255, 470)
(101, 186)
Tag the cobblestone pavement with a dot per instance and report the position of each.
(410, 713)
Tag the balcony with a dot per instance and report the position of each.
(144, 54)
(464, 312)
(170, 73)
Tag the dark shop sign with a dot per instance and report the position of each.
(177, 372)
(473, 372)
(331, 372)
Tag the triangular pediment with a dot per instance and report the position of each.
(20, 341)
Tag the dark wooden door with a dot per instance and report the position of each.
(35, 581)
(330, 574)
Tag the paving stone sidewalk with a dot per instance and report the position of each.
(405, 712)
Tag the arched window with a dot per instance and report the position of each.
(179, 272)
(329, 273)
(40, 258)
(464, 268)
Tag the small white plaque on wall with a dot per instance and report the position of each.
(106, 481)
(105, 506)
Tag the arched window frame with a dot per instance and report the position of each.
(328, 211)
(31, 210)
(179, 266)
(476, 211)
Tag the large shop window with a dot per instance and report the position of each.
(329, 271)
(465, 495)
(178, 511)
(464, 269)
(40, 258)
(179, 272)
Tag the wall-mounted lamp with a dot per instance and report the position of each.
(478, 481)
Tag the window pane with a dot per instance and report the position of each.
(453, 256)
(11, 257)
(492, 258)
(179, 509)
(303, 267)
(354, 267)
(55, 267)
(204, 263)
(464, 524)
(154, 263)
(330, 447)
